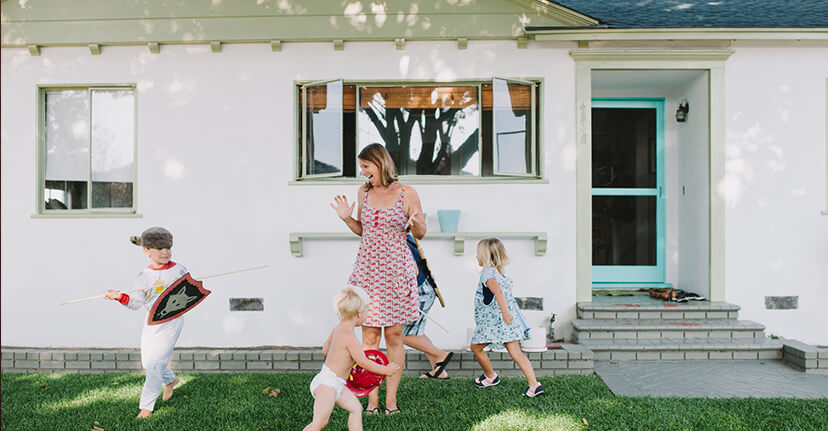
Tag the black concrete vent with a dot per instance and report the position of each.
(529, 303)
(781, 302)
(246, 304)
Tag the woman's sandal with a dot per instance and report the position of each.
(392, 412)
(371, 412)
(441, 366)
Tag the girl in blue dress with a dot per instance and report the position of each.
(497, 318)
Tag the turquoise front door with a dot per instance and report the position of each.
(627, 192)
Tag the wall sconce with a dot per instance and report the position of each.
(683, 109)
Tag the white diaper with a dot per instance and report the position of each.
(328, 378)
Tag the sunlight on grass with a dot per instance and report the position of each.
(520, 420)
(94, 395)
(116, 392)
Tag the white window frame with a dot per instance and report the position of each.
(89, 211)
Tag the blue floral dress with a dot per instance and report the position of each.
(488, 320)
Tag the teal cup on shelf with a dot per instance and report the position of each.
(449, 220)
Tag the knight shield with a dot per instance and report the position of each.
(181, 297)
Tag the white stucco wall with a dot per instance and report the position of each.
(776, 239)
(692, 191)
(215, 158)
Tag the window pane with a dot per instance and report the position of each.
(67, 148)
(429, 130)
(113, 148)
(623, 147)
(62, 195)
(324, 129)
(624, 230)
(511, 104)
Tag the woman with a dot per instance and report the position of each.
(384, 266)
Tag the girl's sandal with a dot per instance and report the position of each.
(373, 411)
(392, 412)
(533, 391)
(484, 382)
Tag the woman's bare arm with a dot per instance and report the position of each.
(414, 211)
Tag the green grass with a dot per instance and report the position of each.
(236, 402)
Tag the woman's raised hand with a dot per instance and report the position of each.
(343, 210)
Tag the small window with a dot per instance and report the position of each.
(87, 150)
(477, 129)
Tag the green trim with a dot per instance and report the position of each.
(296, 239)
(81, 214)
(664, 34)
(40, 156)
(587, 60)
(537, 130)
(648, 55)
(424, 179)
(51, 23)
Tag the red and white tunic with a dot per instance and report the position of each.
(384, 266)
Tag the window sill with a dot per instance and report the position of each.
(459, 238)
(87, 215)
(414, 180)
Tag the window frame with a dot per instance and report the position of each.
(303, 168)
(40, 186)
(537, 150)
(533, 162)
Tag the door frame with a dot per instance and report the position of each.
(588, 59)
(627, 273)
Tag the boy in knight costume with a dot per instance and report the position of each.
(157, 341)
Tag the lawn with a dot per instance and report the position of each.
(237, 402)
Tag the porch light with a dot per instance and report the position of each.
(683, 109)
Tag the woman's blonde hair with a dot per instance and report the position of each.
(378, 155)
(350, 301)
(492, 253)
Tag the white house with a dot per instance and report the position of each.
(551, 125)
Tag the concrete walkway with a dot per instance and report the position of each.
(710, 379)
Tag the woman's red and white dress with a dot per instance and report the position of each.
(384, 266)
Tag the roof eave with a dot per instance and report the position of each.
(706, 33)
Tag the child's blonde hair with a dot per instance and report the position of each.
(492, 253)
(350, 301)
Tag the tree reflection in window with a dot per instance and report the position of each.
(429, 130)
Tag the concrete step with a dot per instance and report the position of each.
(677, 350)
(647, 308)
(665, 329)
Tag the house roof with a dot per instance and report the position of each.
(703, 13)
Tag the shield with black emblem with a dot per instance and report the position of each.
(181, 297)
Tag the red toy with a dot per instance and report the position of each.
(361, 381)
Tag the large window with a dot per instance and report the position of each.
(87, 150)
(474, 129)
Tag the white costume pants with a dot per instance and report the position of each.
(157, 343)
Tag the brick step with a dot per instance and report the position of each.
(570, 359)
(643, 309)
(676, 350)
(665, 329)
